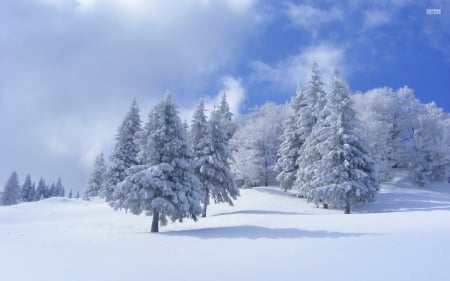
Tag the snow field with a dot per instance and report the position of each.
(268, 235)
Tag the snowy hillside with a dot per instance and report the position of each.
(268, 235)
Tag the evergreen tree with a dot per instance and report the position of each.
(59, 188)
(213, 155)
(306, 107)
(125, 151)
(78, 195)
(41, 190)
(70, 194)
(166, 185)
(11, 192)
(228, 124)
(27, 190)
(96, 178)
(199, 128)
(52, 191)
(32, 193)
(343, 172)
(288, 151)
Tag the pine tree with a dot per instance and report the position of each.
(70, 194)
(344, 172)
(41, 190)
(199, 128)
(288, 151)
(228, 124)
(11, 192)
(213, 154)
(52, 192)
(310, 111)
(96, 178)
(27, 190)
(306, 106)
(166, 185)
(125, 151)
(59, 188)
(214, 165)
(78, 195)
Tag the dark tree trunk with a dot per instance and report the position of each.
(347, 208)
(155, 221)
(205, 202)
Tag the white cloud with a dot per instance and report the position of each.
(376, 17)
(295, 69)
(70, 69)
(311, 18)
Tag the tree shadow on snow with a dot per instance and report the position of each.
(258, 232)
(259, 212)
(406, 200)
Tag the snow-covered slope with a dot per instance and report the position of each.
(268, 235)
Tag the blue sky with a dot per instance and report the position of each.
(69, 69)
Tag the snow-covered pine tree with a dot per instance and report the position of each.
(70, 194)
(125, 151)
(287, 153)
(310, 111)
(166, 185)
(27, 190)
(229, 125)
(32, 192)
(52, 192)
(41, 190)
(59, 188)
(306, 106)
(78, 195)
(97, 177)
(199, 128)
(11, 192)
(344, 173)
(213, 155)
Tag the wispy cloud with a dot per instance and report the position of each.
(295, 69)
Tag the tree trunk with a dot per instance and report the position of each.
(155, 221)
(347, 208)
(205, 202)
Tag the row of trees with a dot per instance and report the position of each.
(401, 132)
(14, 193)
(165, 169)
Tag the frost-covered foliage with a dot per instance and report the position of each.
(228, 123)
(96, 179)
(199, 128)
(404, 133)
(41, 190)
(255, 145)
(11, 192)
(213, 156)
(165, 185)
(306, 107)
(342, 172)
(28, 190)
(125, 152)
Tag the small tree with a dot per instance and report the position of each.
(27, 190)
(96, 178)
(11, 193)
(70, 194)
(166, 185)
(41, 190)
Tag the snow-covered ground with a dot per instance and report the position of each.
(268, 235)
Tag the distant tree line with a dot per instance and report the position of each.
(14, 193)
